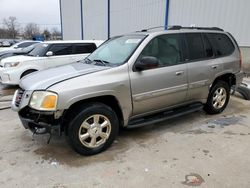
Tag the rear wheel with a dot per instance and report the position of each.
(93, 129)
(218, 98)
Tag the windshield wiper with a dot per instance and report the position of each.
(85, 60)
(101, 61)
(95, 61)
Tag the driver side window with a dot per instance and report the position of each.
(166, 48)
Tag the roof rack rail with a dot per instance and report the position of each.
(145, 30)
(178, 27)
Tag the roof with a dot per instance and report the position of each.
(72, 41)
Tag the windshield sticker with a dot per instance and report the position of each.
(45, 45)
(133, 41)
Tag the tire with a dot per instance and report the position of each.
(87, 124)
(218, 98)
(27, 72)
(244, 91)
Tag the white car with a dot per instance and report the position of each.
(45, 55)
(19, 45)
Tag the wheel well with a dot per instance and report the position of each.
(228, 78)
(27, 71)
(108, 100)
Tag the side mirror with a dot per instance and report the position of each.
(49, 53)
(146, 62)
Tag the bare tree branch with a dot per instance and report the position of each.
(12, 26)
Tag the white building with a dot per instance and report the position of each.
(100, 19)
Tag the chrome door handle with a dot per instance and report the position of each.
(179, 73)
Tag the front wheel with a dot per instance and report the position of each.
(218, 98)
(93, 129)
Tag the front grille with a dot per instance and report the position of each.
(19, 96)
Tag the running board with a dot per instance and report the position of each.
(163, 116)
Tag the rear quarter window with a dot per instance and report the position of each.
(84, 48)
(221, 43)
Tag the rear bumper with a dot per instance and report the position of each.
(239, 78)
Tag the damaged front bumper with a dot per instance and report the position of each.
(39, 122)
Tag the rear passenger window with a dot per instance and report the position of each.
(61, 49)
(84, 48)
(221, 43)
(208, 47)
(166, 48)
(195, 46)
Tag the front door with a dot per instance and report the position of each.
(163, 86)
(62, 54)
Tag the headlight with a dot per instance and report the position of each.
(14, 64)
(43, 100)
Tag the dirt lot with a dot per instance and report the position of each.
(194, 150)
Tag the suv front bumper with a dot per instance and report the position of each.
(32, 119)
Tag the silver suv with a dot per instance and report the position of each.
(129, 81)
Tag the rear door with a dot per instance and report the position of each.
(164, 86)
(202, 65)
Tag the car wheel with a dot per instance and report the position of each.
(218, 98)
(93, 129)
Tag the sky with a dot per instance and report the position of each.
(45, 13)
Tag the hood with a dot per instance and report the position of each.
(8, 51)
(19, 58)
(5, 49)
(41, 80)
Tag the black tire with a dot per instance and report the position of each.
(27, 72)
(244, 91)
(86, 114)
(210, 105)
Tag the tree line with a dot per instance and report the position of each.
(11, 29)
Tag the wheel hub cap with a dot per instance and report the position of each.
(219, 98)
(94, 131)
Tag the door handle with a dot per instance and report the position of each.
(214, 66)
(179, 73)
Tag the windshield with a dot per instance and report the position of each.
(116, 51)
(39, 50)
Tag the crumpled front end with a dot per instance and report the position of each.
(31, 119)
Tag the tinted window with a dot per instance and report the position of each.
(195, 46)
(208, 47)
(221, 43)
(83, 48)
(61, 49)
(166, 48)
